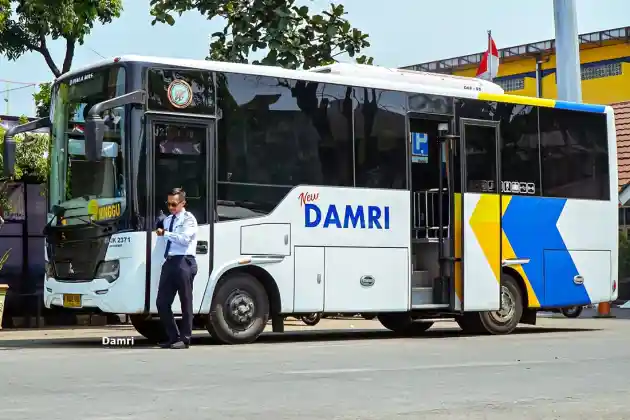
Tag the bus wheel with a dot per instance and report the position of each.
(239, 310)
(503, 321)
(402, 323)
(151, 329)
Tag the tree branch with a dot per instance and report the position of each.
(67, 61)
(43, 50)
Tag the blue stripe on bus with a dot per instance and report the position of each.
(573, 106)
(530, 225)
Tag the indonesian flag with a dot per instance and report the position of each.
(489, 65)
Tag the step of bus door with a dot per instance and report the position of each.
(420, 278)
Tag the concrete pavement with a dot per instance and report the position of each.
(573, 369)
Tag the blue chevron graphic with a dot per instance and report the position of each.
(530, 224)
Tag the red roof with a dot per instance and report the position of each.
(622, 124)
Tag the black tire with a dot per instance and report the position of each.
(228, 327)
(572, 311)
(402, 323)
(497, 322)
(151, 329)
(312, 319)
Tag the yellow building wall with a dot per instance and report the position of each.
(604, 90)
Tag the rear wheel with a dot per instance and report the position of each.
(239, 310)
(311, 319)
(572, 311)
(403, 323)
(503, 321)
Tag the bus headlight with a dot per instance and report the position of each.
(108, 270)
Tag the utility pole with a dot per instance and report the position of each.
(568, 71)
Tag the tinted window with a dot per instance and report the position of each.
(280, 132)
(574, 154)
(180, 161)
(164, 96)
(284, 132)
(430, 104)
(481, 158)
(520, 159)
(475, 109)
(380, 139)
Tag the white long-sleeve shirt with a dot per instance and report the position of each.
(183, 237)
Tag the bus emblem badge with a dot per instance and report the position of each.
(180, 94)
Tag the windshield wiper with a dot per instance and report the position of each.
(58, 212)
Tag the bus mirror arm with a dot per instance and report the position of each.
(95, 125)
(10, 145)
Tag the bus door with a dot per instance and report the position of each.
(180, 151)
(478, 218)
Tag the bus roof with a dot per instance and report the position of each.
(362, 76)
(342, 74)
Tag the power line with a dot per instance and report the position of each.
(17, 88)
(20, 83)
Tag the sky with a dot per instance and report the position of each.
(402, 32)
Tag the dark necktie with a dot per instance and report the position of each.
(168, 243)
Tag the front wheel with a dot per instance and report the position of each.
(239, 311)
(311, 319)
(151, 329)
(572, 311)
(403, 323)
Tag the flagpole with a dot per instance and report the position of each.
(490, 55)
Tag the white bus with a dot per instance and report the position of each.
(410, 196)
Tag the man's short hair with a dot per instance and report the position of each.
(179, 192)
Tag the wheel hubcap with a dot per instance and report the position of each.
(240, 308)
(508, 307)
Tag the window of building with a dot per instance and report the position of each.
(276, 133)
(520, 154)
(510, 85)
(380, 139)
(600, 71)
(574, 152)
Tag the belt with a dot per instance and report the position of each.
(172, 257)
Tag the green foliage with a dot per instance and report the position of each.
(42, 100)
(33, 21)
(4, 258)
(31, 159)
(292, 36)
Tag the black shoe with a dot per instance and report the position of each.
(179, 345)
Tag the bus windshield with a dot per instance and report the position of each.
(80, 190)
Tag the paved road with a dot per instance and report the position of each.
(568, 369)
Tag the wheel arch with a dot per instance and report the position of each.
(260, 274)
(511, 272)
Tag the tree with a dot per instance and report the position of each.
(31, 160)
(292, 36)
(33, 22)
(42, 100)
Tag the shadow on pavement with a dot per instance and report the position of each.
(201, 339)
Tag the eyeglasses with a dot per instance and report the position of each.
(173, 203)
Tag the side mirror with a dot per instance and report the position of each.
(95, 125)
(94, 133)
(10, 146)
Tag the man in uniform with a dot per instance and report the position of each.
(178, 271)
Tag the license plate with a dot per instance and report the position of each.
(72, 301)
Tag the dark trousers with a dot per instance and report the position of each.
(178, 273)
